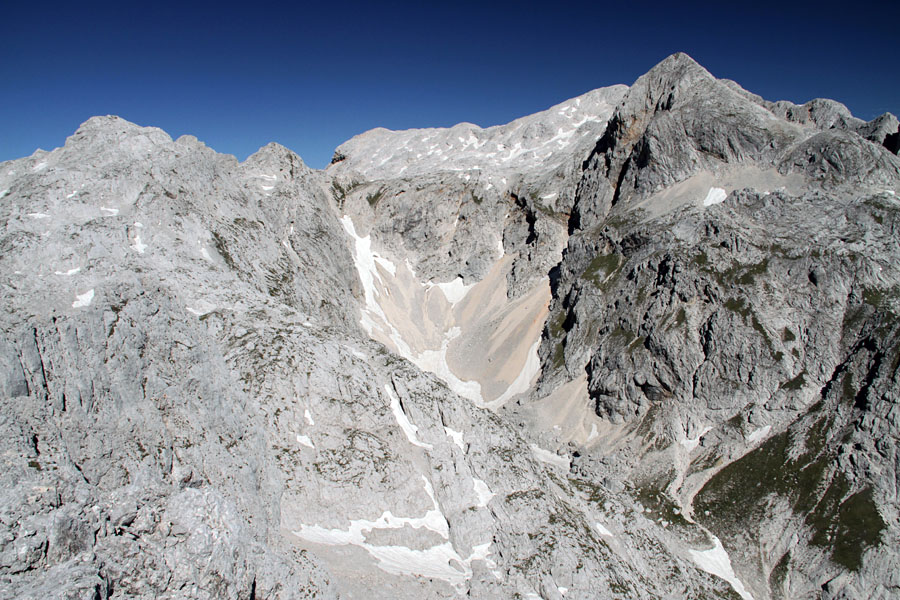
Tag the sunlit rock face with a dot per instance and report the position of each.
(643, 344)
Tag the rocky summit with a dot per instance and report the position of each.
(644, 344)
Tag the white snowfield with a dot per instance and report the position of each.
(441, 561)
(550, 457)
(408, 428)
(483, 492)
(543, 140)
(691, 443)
(759, 434)
(603, 530)
(83, 300)
(456, 436)
(375, 321)
(715, 196)
(138, 246)
(716, 561)
(454, 290)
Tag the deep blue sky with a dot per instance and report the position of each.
(310, 76)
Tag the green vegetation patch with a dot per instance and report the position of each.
(373, 198)
(222, 249)
(603, 270)
(845, 521)
(557, 324)
(796, 383)
(738, 273)
(739, 306)
(626, 339)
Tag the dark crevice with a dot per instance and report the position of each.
(43, 369)
(861, 400)
(530, 218)
(619, 180)
(892, 141)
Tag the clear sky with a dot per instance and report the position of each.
(311, 75)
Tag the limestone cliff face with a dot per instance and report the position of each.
(643, 344)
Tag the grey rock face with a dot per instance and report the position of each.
(448, 196)
(712, 300)
(191, 405)
(191, 411)
(678, 120)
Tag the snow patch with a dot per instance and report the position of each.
(483, 492)
(112, 211)
(138, 245)
(4, 192)
(203, 251)
(39, 215)
(440, 561)
(304, 439)
(366, 261)
(690, 444)
(603, 530)
(716, 561)
(267, 188)
(715, 196)
(456, 436)
(550, 457)
(39, 167)
(435, 361)
(454, 291)
(308, 416)
(759, 434)
(522, 382)
(82, 300)
(408, 428)
(70, 272)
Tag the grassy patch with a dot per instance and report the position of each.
(603, 269)
(222, 249)
(739, 306)
(841, 519)
(559, 356)
(796, 383)
(739, 273)
(373, 198)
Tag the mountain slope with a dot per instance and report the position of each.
(640, 345)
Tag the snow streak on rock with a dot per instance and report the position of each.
(716, 561)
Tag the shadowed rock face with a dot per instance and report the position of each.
(643, 344)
